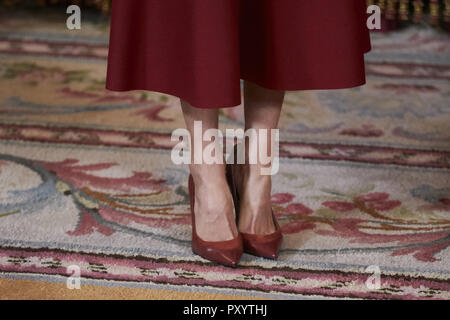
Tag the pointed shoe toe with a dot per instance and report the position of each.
(227, 253)
(267, 246)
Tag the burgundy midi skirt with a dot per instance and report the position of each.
(199, 50)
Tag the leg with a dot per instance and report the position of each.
(213, 206)
(262, 111)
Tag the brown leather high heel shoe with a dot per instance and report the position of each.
(226, 252)
(262, 245)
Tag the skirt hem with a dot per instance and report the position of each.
(232, 104)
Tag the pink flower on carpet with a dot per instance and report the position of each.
(280, 198)
(297, 209)
(79, 176)
(296, 213)
(88, 225)
(378, 201)
(384, 205)
(375, 196)
(297, 226)
(340, 206)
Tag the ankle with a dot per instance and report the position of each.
(207, 174)
(252, 172)
(251, 185)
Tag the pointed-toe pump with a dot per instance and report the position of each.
(226, 252)
(262, 245)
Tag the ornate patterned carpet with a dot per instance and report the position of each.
(86, 179)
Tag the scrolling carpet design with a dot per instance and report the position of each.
(86, 177)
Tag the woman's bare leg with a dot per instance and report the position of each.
(214, 217)
(262, 111)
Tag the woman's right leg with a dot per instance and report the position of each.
(213, 207)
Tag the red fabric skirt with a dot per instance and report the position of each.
(199, 50)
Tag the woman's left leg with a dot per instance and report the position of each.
(262, 108)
